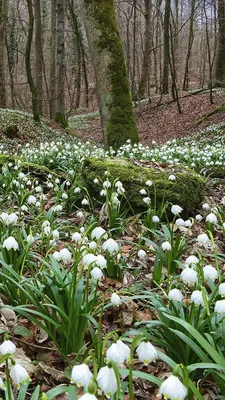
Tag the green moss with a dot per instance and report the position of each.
(60, 118)
(121, 122)
(187, 191)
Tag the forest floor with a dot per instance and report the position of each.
(160, 120)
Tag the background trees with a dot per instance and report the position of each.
(62, 67)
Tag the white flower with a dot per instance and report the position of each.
(210, 272)
(57, 208)
(89, 259)
(172, 388)
(88, 396)
(115, 299)
(198, 217)
(56, 255)
(205, 206)
(31, 200)
(148, 183)
(175, 209)
(118, 185)
(220, 307)
(107, 184)
(147, 200)
(223, 201)
(95, 180)
(166, 246)
(212, 218)
(179, 222)
(55, 234)
(81, 375)
(65, 254)
(2, 385)
(222, 289)
(98, 232)
(203, 239)
(141, 254)
(80, 214)
(96, 273)
(77, 190)
(85, 202)
(12, 219)
(64, 196)
(10, 243)
(191, 261)
(4, 217)
(7, 347)
(189, 275)
(143, 192)
(19, 375)
(76, 237)
(47, 230)
(175, 295)
(197, 298)
(155, 218)
(30, 239)
(146, 352)
(103, 193)
(172, 177)
(110, 245)
(187, 223)
(107, 382)
(118, 352)
(101, 261)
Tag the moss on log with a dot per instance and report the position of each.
(187, 190)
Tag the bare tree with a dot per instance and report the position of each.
(3, 16)
(219, 78)
(60, 116)
(52, 77)
(28, 62)
(166, 48)
(38, 52)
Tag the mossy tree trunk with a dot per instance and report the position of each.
(114, 98)
(219, 78)
(28, 62)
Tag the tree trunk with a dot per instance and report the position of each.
(60, 64)
(39, 54)
(52, 77)
(28, 63)
(190, 43)
(3, 16)
(147, 49)
(114, 98)
(166, 48)
(219, 78)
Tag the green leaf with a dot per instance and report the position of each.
(22, 331)
(23, 391)
(35, 395)
(143, 375)
(200, 339)
(56, 391)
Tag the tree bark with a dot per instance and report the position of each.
(147, 49)
(60, 64)
(28, 62)
(219, 78)
(38, 53)
(190, 43)
(114, 97)
(166, 48)
(52, 77)
(3, 17)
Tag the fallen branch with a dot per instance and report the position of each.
(217, 110)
